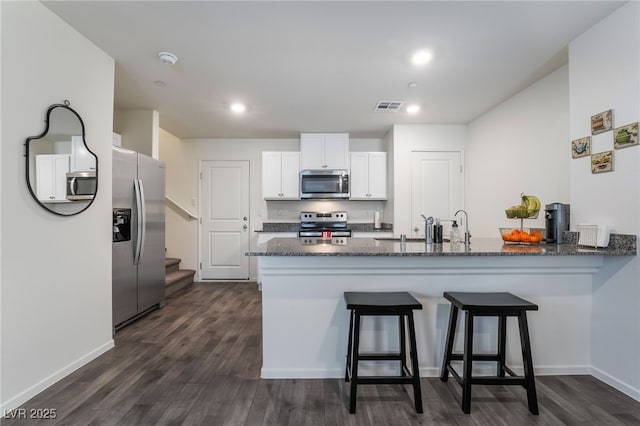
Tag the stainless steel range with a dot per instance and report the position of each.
(324, 225)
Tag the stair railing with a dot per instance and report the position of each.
(180, 208)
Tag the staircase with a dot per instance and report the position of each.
(175, 278)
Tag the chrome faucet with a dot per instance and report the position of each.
(428, 221)
(467, 234)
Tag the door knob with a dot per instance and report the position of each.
(416, 229)
(244, 226)
(244, 218)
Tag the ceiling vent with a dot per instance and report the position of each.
(388, 106)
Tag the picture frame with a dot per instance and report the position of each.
(602, 122)
(602, 162)
(625, 136)
(581, 147)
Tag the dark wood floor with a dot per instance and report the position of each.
(197, 362)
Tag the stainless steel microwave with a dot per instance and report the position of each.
(324, 184)
(81, 185)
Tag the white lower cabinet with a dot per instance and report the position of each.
(368, 179)
(51, 177)
(281, 175)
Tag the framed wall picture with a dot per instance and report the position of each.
(581, 147)
(602, 122)
(602, 162)
(625, 136)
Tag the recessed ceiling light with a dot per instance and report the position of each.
(421, 57)
(238, 107)
(168, 58)
(413, 109)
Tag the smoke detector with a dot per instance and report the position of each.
(168, 58)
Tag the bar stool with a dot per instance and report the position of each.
(501, 305)
(400, 304)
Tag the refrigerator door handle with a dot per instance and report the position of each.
(139, 224)
(143, 216)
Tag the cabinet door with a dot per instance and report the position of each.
(359, 176)
(336, 151)
(51, 177)
(290, 175)
(312, 151)
(378, 175)
(81, 159)
(60, 170)
(271, 175)
(45, 186)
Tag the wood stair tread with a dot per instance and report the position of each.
(175, 276)
(175, 279)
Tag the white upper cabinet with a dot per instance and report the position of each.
(51, 177)
(281, 175)
(324, 151)
(81, 159)
(368, 176)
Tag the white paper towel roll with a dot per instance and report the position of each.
(376, 220)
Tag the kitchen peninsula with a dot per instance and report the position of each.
(305, 322)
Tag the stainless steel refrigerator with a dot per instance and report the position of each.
(138, 264)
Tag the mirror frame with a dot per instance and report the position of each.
(64, 105)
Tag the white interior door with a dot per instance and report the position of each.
(224, 228)
(436, 188)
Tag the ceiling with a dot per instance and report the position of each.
(322, 66)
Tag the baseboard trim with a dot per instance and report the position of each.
(616, 384)
(32, 391)
(305, 373)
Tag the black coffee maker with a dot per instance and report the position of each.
(556, 222)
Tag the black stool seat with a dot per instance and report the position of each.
(400, 304)
(501, 305)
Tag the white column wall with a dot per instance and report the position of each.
(604, 73)
(519, 146)
(56, 271)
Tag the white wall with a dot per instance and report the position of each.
(417, 137)
(56, 271)
(604, 73)
(521, 145)
(139, 130)
(182, 159)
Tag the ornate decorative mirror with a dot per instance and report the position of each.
(62, 173)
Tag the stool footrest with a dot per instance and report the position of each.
(384, 380)
(476, 357)
(494, 380)
(379, 357)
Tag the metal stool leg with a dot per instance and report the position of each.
(354, 363)
(451, 333)
(417, 392)
(349, 347)
(502, 344)
(403, 344)
(528, 363)
(467, 361)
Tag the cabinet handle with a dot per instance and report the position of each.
(324, 166)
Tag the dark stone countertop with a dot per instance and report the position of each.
(393, 247)
(274, 227)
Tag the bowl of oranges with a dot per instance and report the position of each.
(522, 235)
